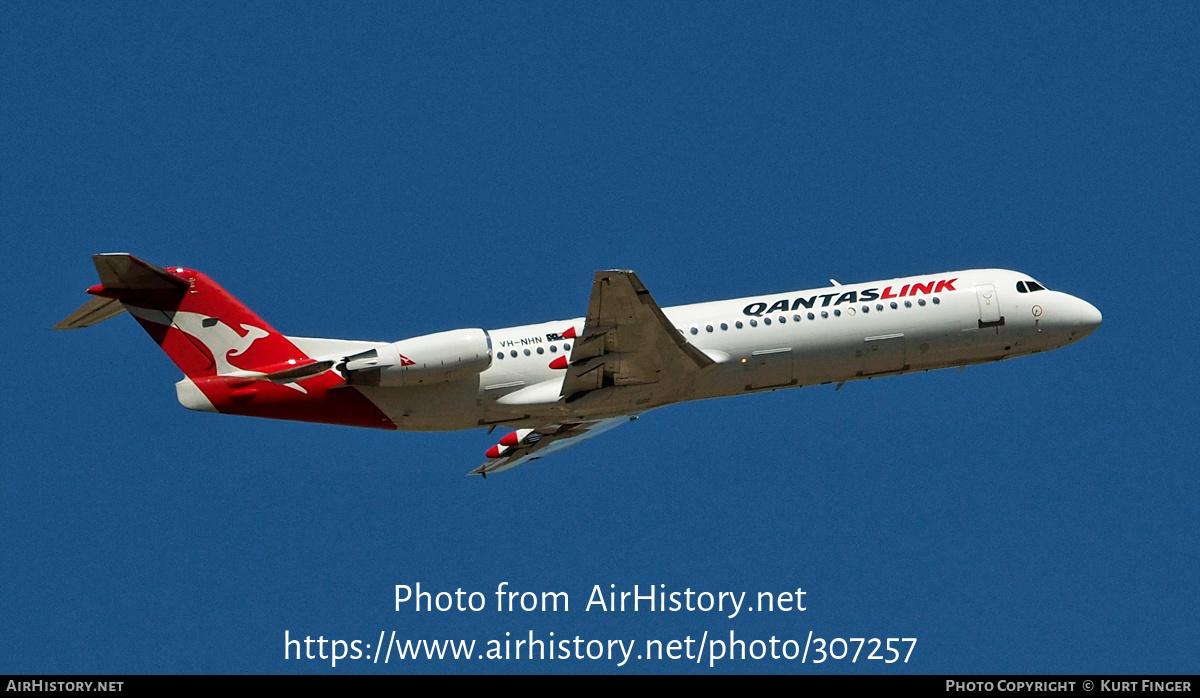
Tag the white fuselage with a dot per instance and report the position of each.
(826, 335)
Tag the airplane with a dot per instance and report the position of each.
(561, 382)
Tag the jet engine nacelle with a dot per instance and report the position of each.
(432, 358)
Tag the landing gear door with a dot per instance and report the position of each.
(989, 306)
(768, 368)
(882, 354)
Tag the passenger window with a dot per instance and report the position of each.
(694, 331)
(708, 328)
(812, 317)
(513, 353)
(566, 347)
(937, 301)
(526, 352)
(766, 321)
(782, 320)
(825, 314)
(921, 302)
(837, 313)
(738, 324)
(541, 350)
(894, 306)
(879, 307)
(724, 327)
(754, 323)
(866, 308)
(500, 355)
(553, 349)
(796, 318)
(907, 304)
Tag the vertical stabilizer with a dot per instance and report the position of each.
(234, 362)
(201, 326)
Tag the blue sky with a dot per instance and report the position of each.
(379, 171)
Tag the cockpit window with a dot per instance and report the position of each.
(1021, 287)
(1035, 286)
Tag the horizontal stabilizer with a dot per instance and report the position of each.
(95, 311)
(124, 272)
(122, 276)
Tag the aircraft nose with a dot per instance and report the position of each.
(1089, 318)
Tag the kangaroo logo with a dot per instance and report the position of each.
(252, 334)
(221, 340)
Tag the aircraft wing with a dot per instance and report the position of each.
(533, 444)
(626, 340)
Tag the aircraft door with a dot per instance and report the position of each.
(989, 306)
(769, 368)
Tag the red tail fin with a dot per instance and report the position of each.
(204, 329)
(234, 361)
